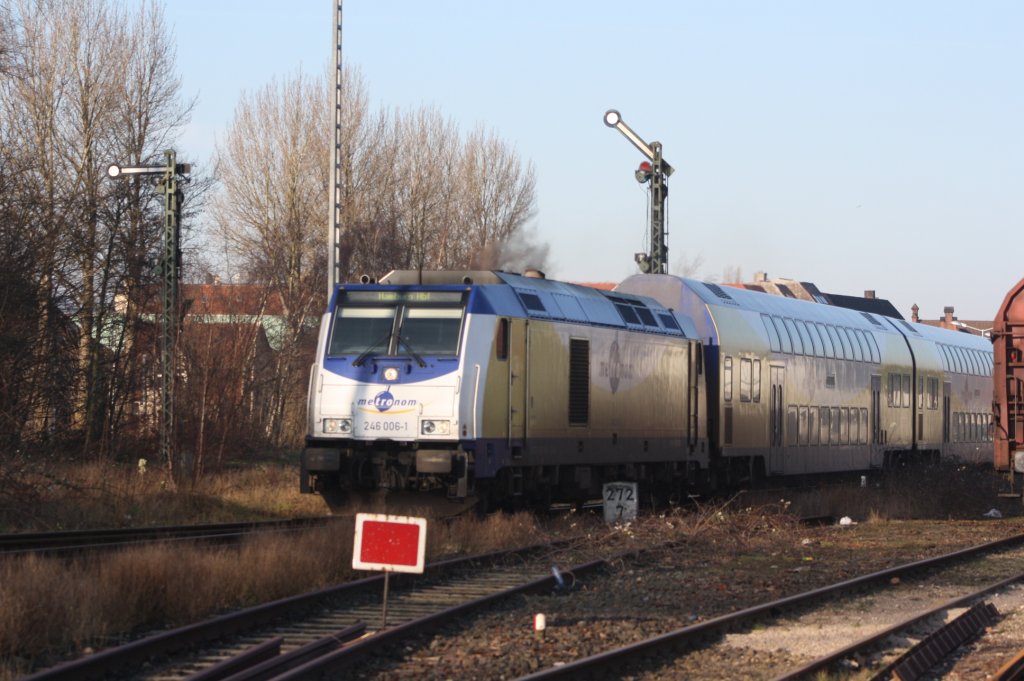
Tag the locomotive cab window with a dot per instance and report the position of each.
(397, 323)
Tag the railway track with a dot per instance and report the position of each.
(102, 539)
(907, 595)
(316, 625)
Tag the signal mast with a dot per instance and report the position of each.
(653, 172)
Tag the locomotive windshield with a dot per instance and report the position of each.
(397, 323)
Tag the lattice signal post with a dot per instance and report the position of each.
(335, 226)
(654, 171)
(170, 270)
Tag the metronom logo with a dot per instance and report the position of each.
(384, 400)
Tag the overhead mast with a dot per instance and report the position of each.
(334, 274)
(654, 171)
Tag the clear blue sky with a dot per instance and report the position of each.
(858, 145)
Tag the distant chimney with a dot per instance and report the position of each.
(870, 295)
(913, 313)
(760, 277)
(948, 314)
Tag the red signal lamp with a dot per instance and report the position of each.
(643, 173)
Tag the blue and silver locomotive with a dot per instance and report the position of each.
(501, 386)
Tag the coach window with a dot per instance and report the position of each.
(755, 387)
(969, 357)
(812, 425)
(836, 421)
(920, 393)
(773, 334)
(894, 390)
(826, 342)
(780, 328)
(501, 340)
(798, 345)
(863, 425)
(958, 360)
(906, 390)
(791, 425)
(824, 427)
(865, 350)
(745, 366)
(802, 427)
(876, 356)
(819, 348)
(805, 336)
(849, 345)
(933, 393)
(976, 356)
(840, 351)
(727, 380)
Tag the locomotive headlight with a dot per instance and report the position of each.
(433, 427)
(338, 426)
(391, 374)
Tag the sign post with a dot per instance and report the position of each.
(620, 502)
(390, 543)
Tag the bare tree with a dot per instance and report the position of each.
(272, 210)
(685, 266)
(93, 83)
(497, 198)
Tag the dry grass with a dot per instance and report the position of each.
(43, 496)
(51, 608)
(946, 491)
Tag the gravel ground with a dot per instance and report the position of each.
(708, 574)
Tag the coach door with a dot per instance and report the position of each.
(947, 390)
(776, 414)
(691, 394)
(517, 386)
(876, 421)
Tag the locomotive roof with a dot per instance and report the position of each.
(530, 295)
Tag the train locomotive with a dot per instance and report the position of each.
(500, 386)
(519, 390)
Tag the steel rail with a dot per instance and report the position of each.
(1013, 670)
(825, 661)
(78, 540)
(101, 664)
(689, 635)
(347, 655)
(246, 667)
